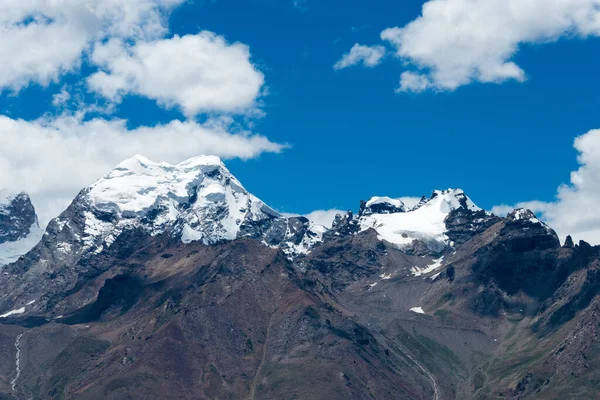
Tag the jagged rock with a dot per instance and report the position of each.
(569, 242)
(17, 216)
(19, 228)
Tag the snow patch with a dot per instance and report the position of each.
(522, 214)
(313, 237)
(13, 312)
(417, 310)
(416, 271)
(426, 222)
(11, 251)
(385, 200)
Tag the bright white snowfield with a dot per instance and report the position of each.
(424, 222)
(11, 251)
(200, 197)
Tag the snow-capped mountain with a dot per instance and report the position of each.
(196, 200)
(19, 228)
(158, 270)
(426, 227)
(200, 201)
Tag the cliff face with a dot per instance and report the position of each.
(19, 229)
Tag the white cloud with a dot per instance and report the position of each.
(575, 211)
(199, 73)
(324, 217)
(457, 42)
(44, 39)
(412, 82)
(52, 159)
(369, 56)
(538, 207)
(60, 99)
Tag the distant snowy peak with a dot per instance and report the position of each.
(423, 225)
(450, 199)
(19, 229)
(521, 214)
(382, 205)
(526, 219)
(17, 215)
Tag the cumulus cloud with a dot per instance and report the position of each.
(324, 217)
(413, 82)
(369, 56)
(538, 207)
(575, 211)
(198, 73)
(44, 39)
(53, 158)
(458, 42)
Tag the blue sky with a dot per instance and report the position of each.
(351, 135)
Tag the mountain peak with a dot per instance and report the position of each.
(425, 222)
(382, 205)
(522, 214)
(19, 229)
(7, 196)
(143, 165)
(138, 185)
(453, 199)
(198, 198)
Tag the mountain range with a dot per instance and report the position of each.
(173, 281)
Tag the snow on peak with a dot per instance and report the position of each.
(525, 215)
(453, 199)
(425, 222)
(19, 228)
(382, 205)
(7, 196)
(136, 185)
(198, 199)
(385, 200)
(520, 214)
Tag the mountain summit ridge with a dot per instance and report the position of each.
(199, 199)
(177, 280)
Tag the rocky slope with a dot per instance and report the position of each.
(172, 281)
(19, 228)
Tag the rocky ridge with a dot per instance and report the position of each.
(172, 280)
